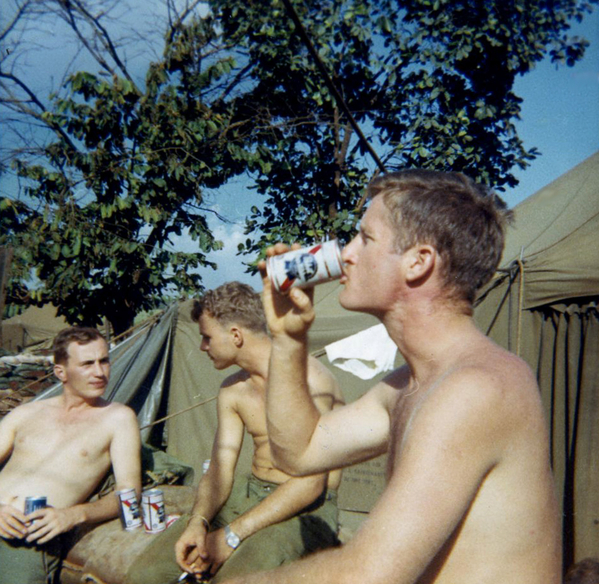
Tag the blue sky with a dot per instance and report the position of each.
(560, 115)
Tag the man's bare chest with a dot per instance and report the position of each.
(253, 413)
(59, 442)
(409, 402)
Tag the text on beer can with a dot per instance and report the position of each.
(305, 267)
(129, 509)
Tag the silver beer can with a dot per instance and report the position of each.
(129, 509)
(154, 514)
(306, 267)
(34, 503)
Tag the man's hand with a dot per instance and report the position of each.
(218, 550)
(47, 523)
(190, 549)
(13, 523)
(289, 314)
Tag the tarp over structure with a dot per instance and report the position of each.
(543, 305)
(35, 325)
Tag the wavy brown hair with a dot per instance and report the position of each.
(232, 303)
(76, 334)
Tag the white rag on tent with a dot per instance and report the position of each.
(364, 354)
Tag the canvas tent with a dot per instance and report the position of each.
(34, 326)
(543, 305)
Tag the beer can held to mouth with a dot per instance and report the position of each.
(305, 267)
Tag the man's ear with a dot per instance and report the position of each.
(237, 335)
(421, 262)
(59, 372)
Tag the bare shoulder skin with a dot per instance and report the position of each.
(468, 450)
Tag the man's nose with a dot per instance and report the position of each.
(99, 370)
(346, 252)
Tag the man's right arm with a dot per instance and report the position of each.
(215, 486)
(12, 520)
(313, 443)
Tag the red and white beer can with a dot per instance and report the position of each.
(152, 506)
(129, 509)
(306, 267)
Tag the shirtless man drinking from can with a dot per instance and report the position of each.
(470, 495)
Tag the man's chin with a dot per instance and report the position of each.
(219, 366)
(346, 301)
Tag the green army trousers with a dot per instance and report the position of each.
(313, 529)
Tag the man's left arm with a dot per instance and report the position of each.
(286, 501)
(297, 493)
(125, 456)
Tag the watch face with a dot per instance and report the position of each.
(232, 539)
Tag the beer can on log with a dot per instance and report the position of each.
(152, 506)
(306, 267)
(129, 509)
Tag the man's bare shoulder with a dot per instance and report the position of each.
(322, 381)
(493, 370)
(491, 393)
(118, 413)
(234, 386)
(28, 411)
(316, 367)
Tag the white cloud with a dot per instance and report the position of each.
(230, 265)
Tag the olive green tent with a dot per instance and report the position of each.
(543, 305)
(36, 325)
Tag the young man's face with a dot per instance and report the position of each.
(87, 370)
(372, 265)
(217, 342)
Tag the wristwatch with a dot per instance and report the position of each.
(232, 539)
